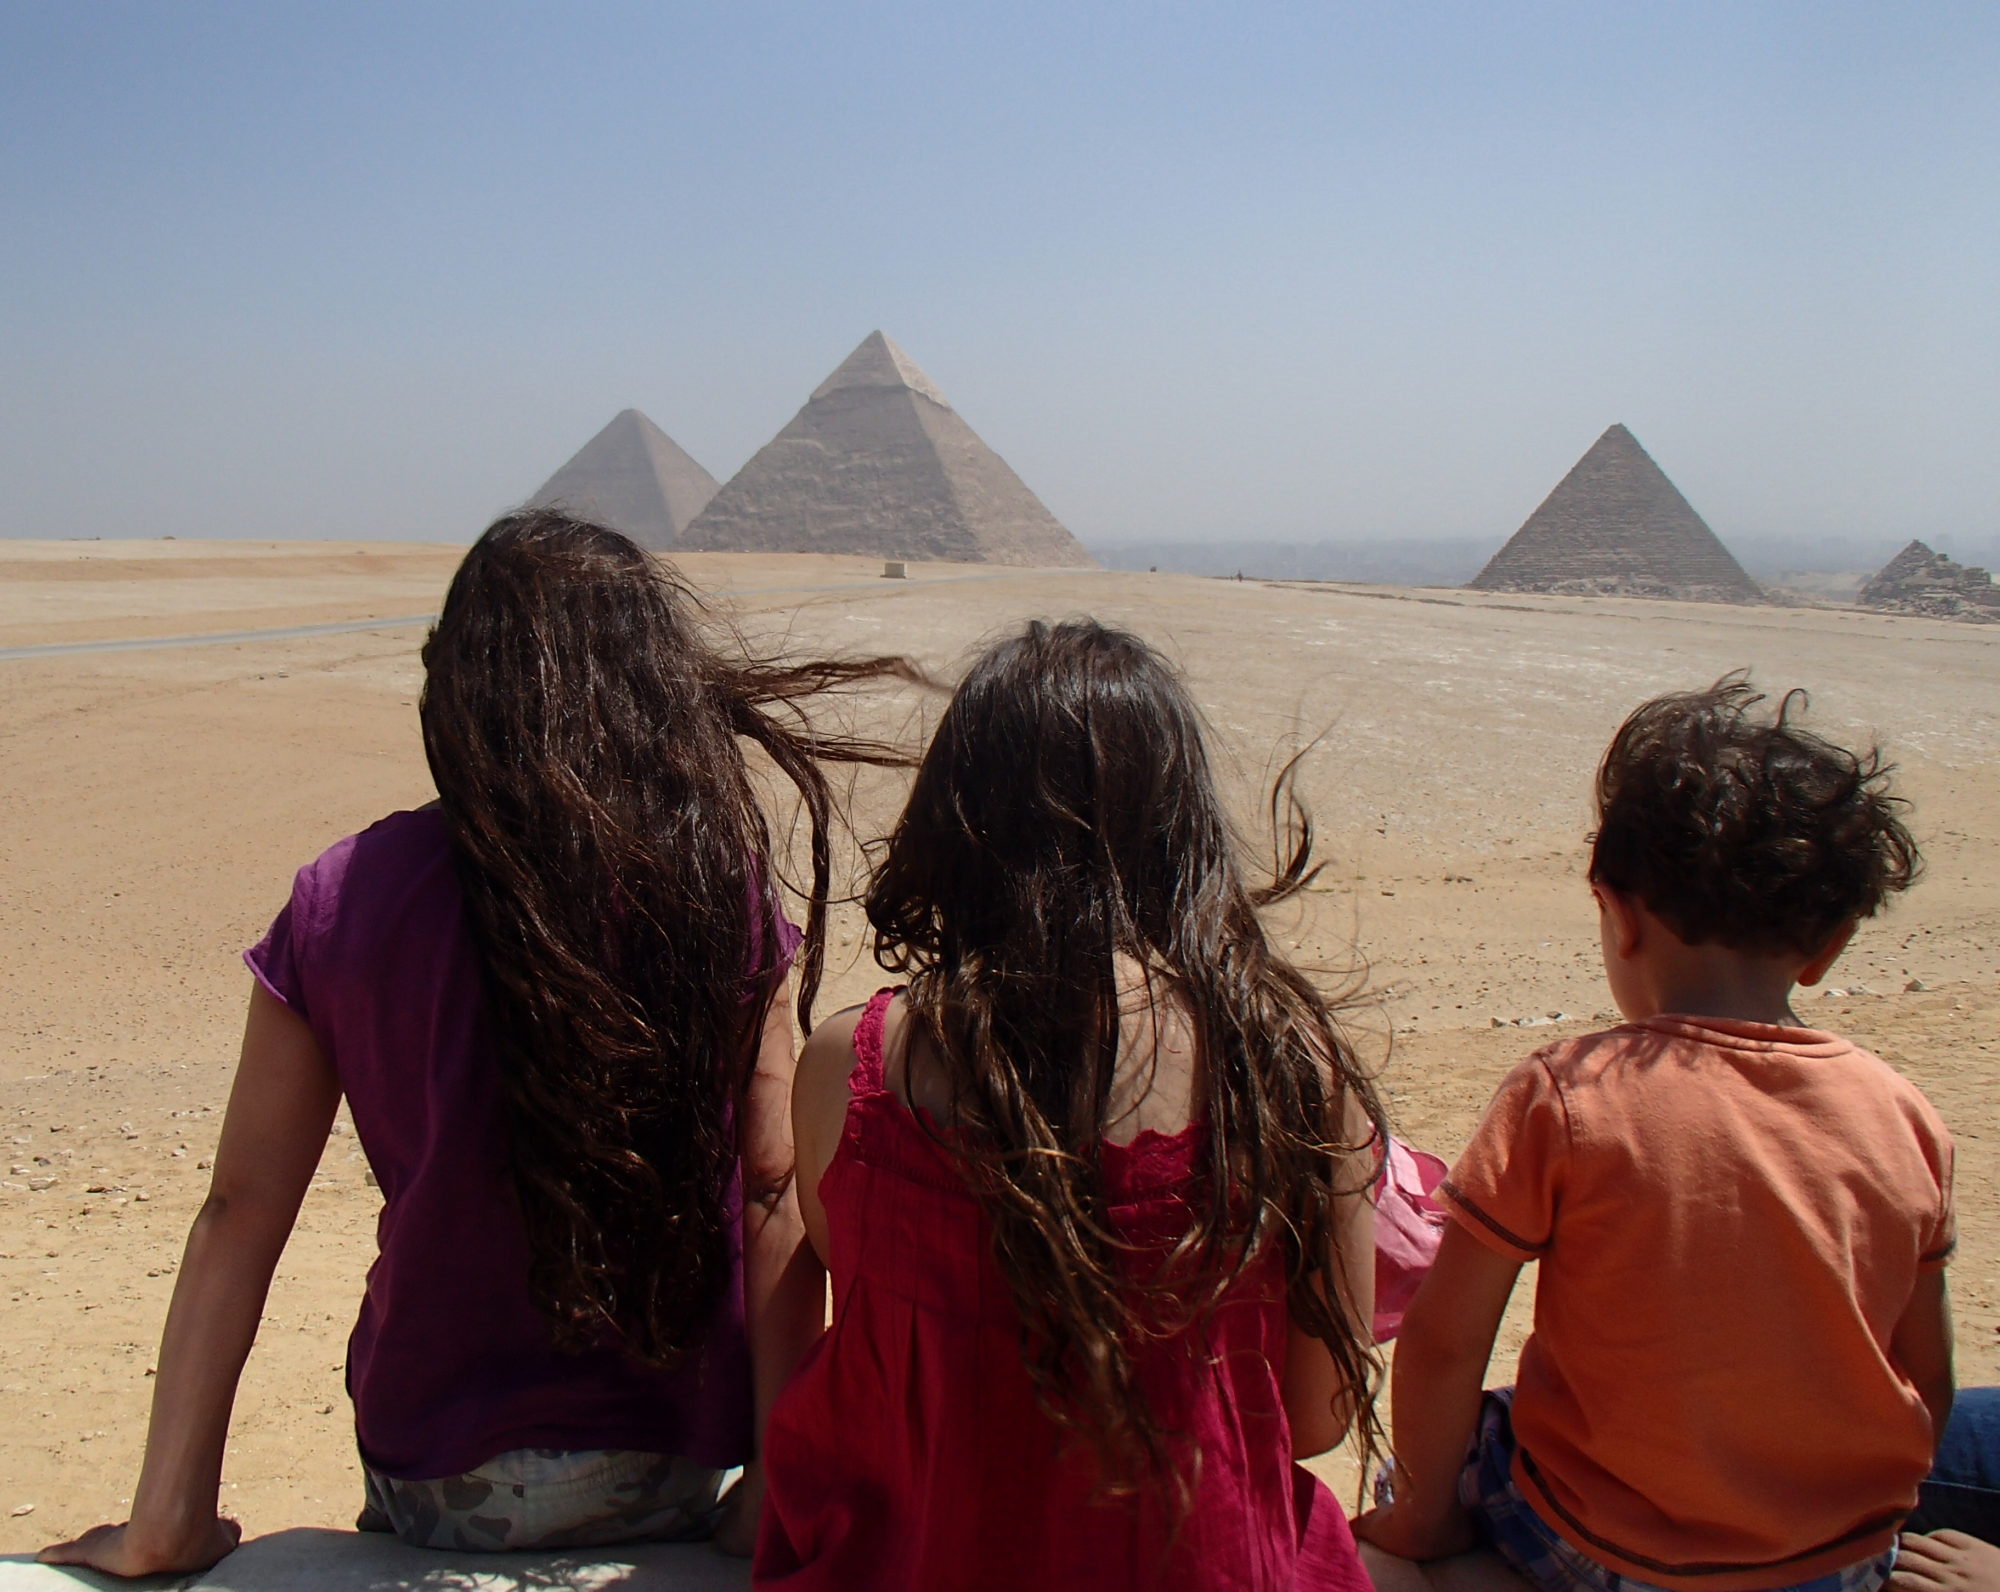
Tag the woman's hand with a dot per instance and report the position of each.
(736, 1531)
(130, 1551)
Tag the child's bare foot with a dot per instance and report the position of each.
(1945, 1561)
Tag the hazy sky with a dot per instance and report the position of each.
(1198, 271)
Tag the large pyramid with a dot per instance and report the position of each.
(1616, 526)
(879, 463)
(634, 478)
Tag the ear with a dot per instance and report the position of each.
(1828, 954)
(1622, 918)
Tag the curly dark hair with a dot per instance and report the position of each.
(1065, 815)
(1738, 828)
(585, 727)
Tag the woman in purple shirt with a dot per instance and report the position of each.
(554, 1001)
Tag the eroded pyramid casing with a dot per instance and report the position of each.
(1920, 581)
(1616, 526)
(878, 463)
(634, 478)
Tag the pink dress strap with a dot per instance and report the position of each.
(868, 1078)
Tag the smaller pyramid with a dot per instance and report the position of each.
(1920, 581)
(634, 478)
(1615, 526)
(879, 463)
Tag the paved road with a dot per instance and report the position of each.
(219, 638)
(214, 638)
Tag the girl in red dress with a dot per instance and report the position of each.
(1092, 1187)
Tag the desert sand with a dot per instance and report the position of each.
(157, 800)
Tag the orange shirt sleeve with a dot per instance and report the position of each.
(1942, 1239)
(1505, 1188)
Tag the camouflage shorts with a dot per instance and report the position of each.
(548, 1498)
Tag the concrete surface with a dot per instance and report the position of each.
(309, 1560)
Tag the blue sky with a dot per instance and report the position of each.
(1304, 272)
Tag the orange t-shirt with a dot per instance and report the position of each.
(1730, 1219)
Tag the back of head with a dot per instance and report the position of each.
(1065, 817)
(1738, 828)
(1066, 788)
(614, 863)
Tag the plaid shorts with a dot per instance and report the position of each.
(1521, 1537)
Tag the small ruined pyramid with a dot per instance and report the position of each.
(1919, 581)
(634, 478)
(1907, 568)
(879, 463)
(1615, 526)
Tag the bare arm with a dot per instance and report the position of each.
(1921, 1347)
(1441, 1356)
(280, 1110)
(1319, 1406)
(784, 1288)
(819, 1113)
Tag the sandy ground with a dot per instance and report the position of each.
(157, 801)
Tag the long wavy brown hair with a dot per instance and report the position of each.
(1064, 816)
(584, 722)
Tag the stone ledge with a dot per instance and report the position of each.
(307, 1560)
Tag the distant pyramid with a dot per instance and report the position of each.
(879, 463)
(1919, 581)
(1913, 564)
(634, 478)
(1616, 526)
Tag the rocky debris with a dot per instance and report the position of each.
(878, 463)
(634, 478)
(1615, 526)
(1919, 581)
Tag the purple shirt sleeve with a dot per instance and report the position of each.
(276, 961)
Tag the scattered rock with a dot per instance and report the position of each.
(1833, 994)
(37, 1184)
(1916, 986)
(21, 1509)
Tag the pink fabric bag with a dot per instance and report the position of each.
(1408, 1227)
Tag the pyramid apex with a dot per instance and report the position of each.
(878, 362)
(632, 477)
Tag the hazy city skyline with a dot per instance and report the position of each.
(1263, 274)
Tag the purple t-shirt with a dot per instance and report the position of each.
(450, 1362)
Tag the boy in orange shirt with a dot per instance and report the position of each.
(1742, 1349)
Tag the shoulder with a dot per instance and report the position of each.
(1908, 1101)
(1556, 1083)
(1586, 1059)
(360, 875)
(396, 842)
(827, 1058)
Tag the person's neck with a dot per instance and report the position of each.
(1713, 981)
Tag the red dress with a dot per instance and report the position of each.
(909, 1453)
